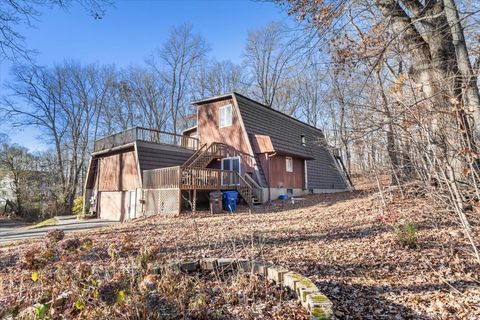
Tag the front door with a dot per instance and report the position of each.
(132, 204)
(231, 164)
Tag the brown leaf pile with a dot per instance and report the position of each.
(337, 240)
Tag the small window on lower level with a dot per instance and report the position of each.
(289, 164)
(289, 191)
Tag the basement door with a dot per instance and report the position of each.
(231, 164)
(132, 204)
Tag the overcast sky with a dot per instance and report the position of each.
(131, 30)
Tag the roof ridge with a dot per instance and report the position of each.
(277, 111)
(232, 93)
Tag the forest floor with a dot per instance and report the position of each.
(341, 241)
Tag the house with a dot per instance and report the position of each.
(237, 144)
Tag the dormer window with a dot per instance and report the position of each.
(225, 116)
(302, 137)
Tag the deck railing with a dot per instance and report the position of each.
(147, 135)
(217, 150)
(190, 178)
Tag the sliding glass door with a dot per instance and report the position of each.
(231, 164)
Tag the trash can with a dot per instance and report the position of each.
(216, 202)
(230, 200)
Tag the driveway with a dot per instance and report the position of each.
(13, 231)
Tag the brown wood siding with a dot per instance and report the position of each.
(118, 172)
(279, 177)
(209, 131)
(208, 126)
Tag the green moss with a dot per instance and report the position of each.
(319, 298)
(302, 280)
(319, 314)
(305, 292)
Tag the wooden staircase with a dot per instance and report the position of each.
(203, 156)
(249, 190)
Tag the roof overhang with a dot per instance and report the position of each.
(212, 99)
(189, 130)
(262, 144)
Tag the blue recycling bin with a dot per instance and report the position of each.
(230, 200)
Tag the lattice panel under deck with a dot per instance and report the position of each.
(162, 201)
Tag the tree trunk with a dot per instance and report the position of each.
(471, 93)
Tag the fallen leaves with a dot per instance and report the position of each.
(335, 239)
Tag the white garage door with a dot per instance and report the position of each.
(113, 205)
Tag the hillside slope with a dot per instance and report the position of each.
(340, 241)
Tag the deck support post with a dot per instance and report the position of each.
(194, 202)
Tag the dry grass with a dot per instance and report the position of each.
(338, 240)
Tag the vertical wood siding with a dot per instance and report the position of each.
(279, 177)
(209, 131)
(118, 172)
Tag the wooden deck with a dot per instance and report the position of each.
(146, 135)
(186, 178)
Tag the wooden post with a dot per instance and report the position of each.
(194, 202)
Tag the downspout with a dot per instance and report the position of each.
(268, 182)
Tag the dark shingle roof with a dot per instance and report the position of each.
(285, 133)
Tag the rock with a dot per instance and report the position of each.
(318, 300)
(260, 268)
(189, 266)
(226, 264)
(244, 265)
(320, 314)
(61, 299)
(276, 273)
(208, 264)
(290, 280)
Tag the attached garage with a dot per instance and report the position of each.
(113, 188)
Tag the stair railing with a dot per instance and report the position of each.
(194, 156)
(256, 188)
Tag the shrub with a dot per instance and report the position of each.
(108, 291)
(77, 208)
(406, 233)
(70, 244)
(55, 235)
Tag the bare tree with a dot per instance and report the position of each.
(270, 55)
(219, 77)
(174, 63)
(64, 102)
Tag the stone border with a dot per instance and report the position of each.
(316, 303)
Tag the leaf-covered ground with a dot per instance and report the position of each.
(340, 241)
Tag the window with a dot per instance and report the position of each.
(289, 164)
(225, 116)
(303, 140)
